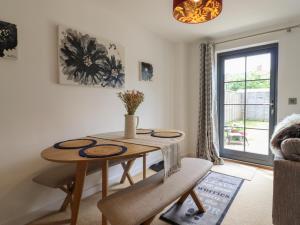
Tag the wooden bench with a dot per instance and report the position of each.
(63, 176)
(140, 203)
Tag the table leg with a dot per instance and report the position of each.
(126, 168)
(144, 166)
(79, 183)
(104, 185)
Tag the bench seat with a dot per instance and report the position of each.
(139, 203)
(61, 175)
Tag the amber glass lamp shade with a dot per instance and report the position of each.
(196, 11)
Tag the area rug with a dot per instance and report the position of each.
(237, 170)
(216, 191)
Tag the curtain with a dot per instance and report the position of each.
(207, 142)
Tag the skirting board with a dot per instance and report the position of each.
(54, 206)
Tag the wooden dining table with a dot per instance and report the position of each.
(72, 156)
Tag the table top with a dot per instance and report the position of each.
(72, 155)
(60, 155)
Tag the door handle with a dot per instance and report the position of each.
(272, 106)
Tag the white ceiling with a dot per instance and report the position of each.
(237, 16)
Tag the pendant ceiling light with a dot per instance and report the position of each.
(196, 11)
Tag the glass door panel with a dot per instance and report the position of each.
(258, 92)
(235, 69)
(259, 67)
(257, 141)
(234, 92)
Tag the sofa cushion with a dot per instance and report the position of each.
(289, 127)
(290, 149)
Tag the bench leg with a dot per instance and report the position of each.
(183, 198)
(149, 221)
(69, 192)
(127, 168)
(194, 197)
(197, 201)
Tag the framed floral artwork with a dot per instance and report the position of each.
(89, 61)
(146, 71)
(8, 40)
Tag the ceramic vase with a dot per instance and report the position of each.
(131, 123)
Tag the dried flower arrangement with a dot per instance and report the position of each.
(131, 99)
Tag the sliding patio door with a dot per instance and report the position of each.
(247, 102)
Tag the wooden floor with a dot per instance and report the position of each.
(252, 206)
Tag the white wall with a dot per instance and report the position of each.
(180, 103)
(288, 72)
(36, 111)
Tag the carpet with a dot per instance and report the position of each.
(237, 170)
(217, 191)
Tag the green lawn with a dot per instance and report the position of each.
(249, 124)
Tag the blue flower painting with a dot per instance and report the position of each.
(8, 40)
(89, 61)
(146, 71)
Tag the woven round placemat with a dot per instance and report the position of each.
(75, 144)
(102, 151)
(166, 134)
(144, 131)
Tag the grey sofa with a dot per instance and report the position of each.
(286, 195)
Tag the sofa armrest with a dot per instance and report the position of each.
(286, 195)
